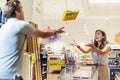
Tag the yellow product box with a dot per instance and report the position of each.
(70, 15)
(55, 64)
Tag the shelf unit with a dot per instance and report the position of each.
(43, 60)
(114, 64)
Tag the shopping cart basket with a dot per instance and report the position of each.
(77, 72)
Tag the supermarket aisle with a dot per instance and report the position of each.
(53, 75)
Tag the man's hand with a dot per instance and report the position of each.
(48, 32)
(60, 30)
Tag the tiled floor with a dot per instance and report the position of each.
(53, 75)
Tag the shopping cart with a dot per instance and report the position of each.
(77, 72)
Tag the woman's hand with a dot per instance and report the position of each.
(90, 45)
(75, 44)
(78, 46)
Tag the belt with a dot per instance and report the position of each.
(96, 65)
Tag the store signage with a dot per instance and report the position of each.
(117, 38)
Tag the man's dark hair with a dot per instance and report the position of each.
(10, 7)
(15, 8)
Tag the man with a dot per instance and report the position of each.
(12, 37)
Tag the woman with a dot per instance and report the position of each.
(100, 51)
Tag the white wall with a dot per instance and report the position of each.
(37, 12)
(27, 7)
(2, 2)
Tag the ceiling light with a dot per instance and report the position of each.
(103, 1)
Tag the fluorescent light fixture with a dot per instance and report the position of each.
(86, 29)
(103, 1)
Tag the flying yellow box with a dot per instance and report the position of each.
(70, 15)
